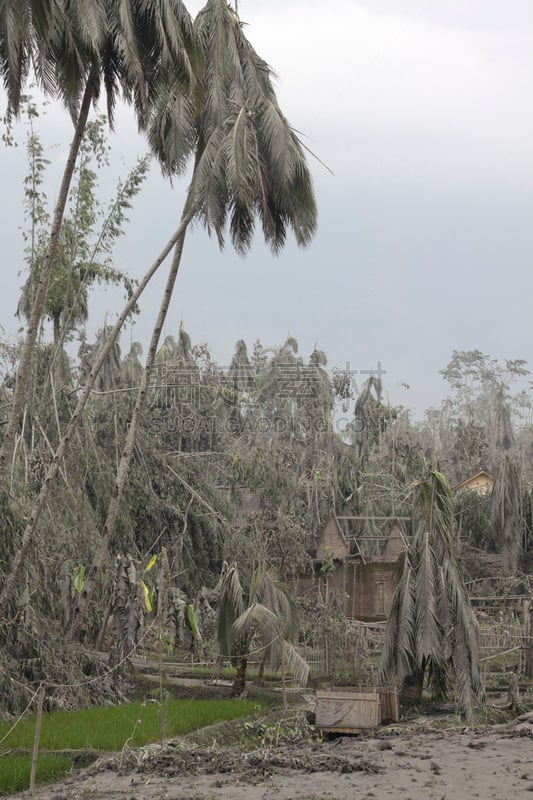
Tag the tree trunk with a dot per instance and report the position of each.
(27, 537)
(95, 572)
(283, 675)
(261, 673)
(57, 331)
(239, 683)
(412, 686)
(528, 640)
(24, 369)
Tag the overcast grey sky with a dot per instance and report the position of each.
(422, 110)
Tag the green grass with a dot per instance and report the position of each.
(108, 728)
(102, 728)
(15, 771)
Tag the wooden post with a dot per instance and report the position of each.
(283, 680)
(528, 640)
(37, 737)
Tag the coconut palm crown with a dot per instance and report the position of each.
(120, 45)
(249, 162)
(266, 623)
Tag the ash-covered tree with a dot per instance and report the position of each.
(506, 514)
(262, 622)
(480, 410)
(74, 50)
(248, 164)
(88, 234)
(473, 521)
(431, 634)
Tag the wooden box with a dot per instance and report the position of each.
(347, 711)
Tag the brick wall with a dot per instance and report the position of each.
(375, 583)
(332, 539)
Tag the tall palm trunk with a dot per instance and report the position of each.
(412, 687)
(94, 578)
(29, 531)
(239, 682)
(23, 373)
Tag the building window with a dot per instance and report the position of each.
(380, 597)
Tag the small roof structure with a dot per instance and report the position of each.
(341, 544)
(482, 483)
(332, 541)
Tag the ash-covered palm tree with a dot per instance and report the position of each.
(248, 163)
(266, 176)
(432, 630)
(237, 386)
(109, 376)
(74, 49)
(184, 354)
(131, 368)
(506, 514)
(262, 622)
(370, 419)
(240, 371)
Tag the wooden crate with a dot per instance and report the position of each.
(347, 711)
(390, 706)
(388, 695)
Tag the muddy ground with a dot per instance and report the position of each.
(282, 757)
(492, 763)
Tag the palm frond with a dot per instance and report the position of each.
(432, 626)
(468, 683)
(444, 613)
(249, 163)
(172, 132)
(260, 620)
(427, 628)
(398, 656)
(295, 664)
(229, 607)
(506, 513)
(257, 579)
(287, 611)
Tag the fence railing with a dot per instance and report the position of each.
(364, 642)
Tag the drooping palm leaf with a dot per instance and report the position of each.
(506, 513)
(432, 627)
(268, 629)
(399, 647)
(265, 627)
(229, 607)
(25, 27)
(256, 582)
(287, 611)
(295, 664)
(427, 629)
(249, 163)
(260, 620)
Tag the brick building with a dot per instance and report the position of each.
(358, 572)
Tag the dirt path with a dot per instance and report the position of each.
(491, 765)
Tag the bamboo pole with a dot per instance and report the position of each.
(528, 640)
(283, 675)
(37, 737)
